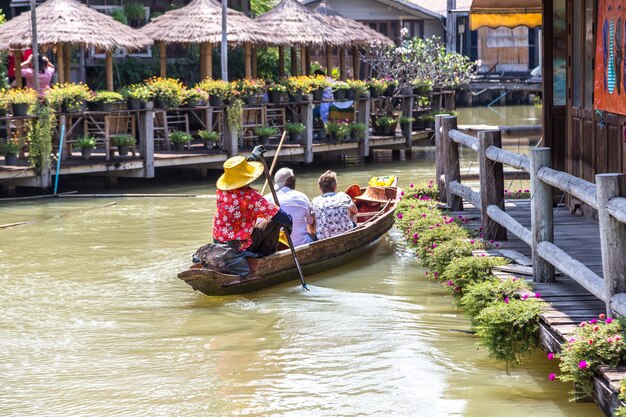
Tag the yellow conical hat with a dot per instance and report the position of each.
(238, 172)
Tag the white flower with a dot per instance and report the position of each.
(404, 32)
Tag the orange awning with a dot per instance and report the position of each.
(505, 13)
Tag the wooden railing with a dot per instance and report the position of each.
(604, 196)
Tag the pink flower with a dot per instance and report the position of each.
(426, 274)
(582, 364)
(434, 245)
(593, 321)
(491, 241)
(582, 324)
(602, 316)
(617, 338)
(596, 328)
(552, 377)
(450, 283)
(411, 185)
(401, 193)
(550, 356)
(472, 241)
(572, 340)
(537, 295)
(436, 273)
(424, 215)
(400, 215)
(525, 297)
(609, 320)
(506, 300)
(590, 341)
(609, 340)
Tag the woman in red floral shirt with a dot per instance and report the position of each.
(239, 207)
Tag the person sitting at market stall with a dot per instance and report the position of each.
(334, 212)
(295, 203)
(240, 207)
(46, 71)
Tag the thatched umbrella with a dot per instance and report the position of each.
(201, 22)
(300, 27)
(356, 32)
(63, 23)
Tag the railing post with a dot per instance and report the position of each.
(491, 184)
(439, 178)
(306, 140)
(407, 111)
(451, 162)
(541, 214)
(612, 238)
(146, 139)
(363, 115)
(231, 139)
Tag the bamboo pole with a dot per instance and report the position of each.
(356, 63)
(255, 62)
(307, 60)
(109, 70)
(17, 54)
(329, 60)
(342, 63)
(60, 63)
(294, 61)
(247, 59)
(281, 61)
(206, 60)
(163, 59)
(302, 60)
(67, 54)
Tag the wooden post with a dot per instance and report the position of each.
(612, 238)
(407, 110)
(329, 60)
(491, 184)
(146, 139)
(281, 61)
(247, 61)
(342, 63)
(307, 61)
(231, 139)
(109, 70)
(439, 177)
(307, 120)
(451, 163)
(302, 60)
(364, 108)
(17, 54)
(67, 53)
(163, 59)
(60, 63)
(541, 214)
(294, 61)
(255, 62)
(356, 63)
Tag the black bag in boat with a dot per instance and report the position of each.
(222, 258)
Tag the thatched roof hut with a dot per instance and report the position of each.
(300, 26)
(72, 23)
(356, 32)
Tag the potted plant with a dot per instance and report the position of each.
(422, 86)
(357, 131)
(428, 119)
(296, 87)
(167, 92)
(194, 97)
(20, 100)
(264, 133)
(377, 87)
(386, 125)
(250, 90)
(406, 124)
(294, 130)
(136, 96)
(275, 92)
(68, 97)
(103, 100)
(331, 129)
(180, 139)
(317, 85)
(123, 143)
(86, 144)
(358, 89)
(216, 89)
(340, 89)
(211, 139)
(10, 149)
(343, 131)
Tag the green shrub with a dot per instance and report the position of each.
(510, 330)
(478, 296)
(464, 272)
(86, 142)
(209, 136)
(180, 137)
(124, 140)
(265, 131)
(446, 252)
(294, 127)
(621, 410)
(436, 235)
(422, 189)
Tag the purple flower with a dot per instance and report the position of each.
(411, 185)
(400, 215)
(552, 377)
(550, 356)
(537, 295)
(593, 321)
(609, 320)
(472, 241)
(525, 297)
(582, 364)
(434, 245)
(506, 300)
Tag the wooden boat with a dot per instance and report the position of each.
(375, 218)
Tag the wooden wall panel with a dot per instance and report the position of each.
(587, 155)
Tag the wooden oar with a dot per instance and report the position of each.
(271, 172)
(293, 249)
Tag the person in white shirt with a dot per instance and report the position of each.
(295, 203)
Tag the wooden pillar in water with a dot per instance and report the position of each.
(60, 63)
(17, 54)
(439, 176)
(491, 184)
(540, 214)
(363, 116)
(356, 63)
(451, 163)
(109, 70)
(247, 61)
(306, 139)
(342, 63)
(146, 140)
(163, 59)
(67, 54)
(281, 62)
(294, 61)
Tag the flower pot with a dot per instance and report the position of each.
(350, 94)
(216, 101)
(318, 94)
(10, 159)
(133, 104)
(294, 137)
(122, 150)
(212, 145)
(93, 106)
(191, 103)
(274, 96)
(179, 146)
(374, 93)
(251, 100)
(106, 107)
(339, 94)
(390, 91)
(86, 152)
(74, 106)
(264, 140)
(20, 109)
(160, 104)
(296, 96)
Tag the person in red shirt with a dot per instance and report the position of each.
(11, 63)
(240, 207)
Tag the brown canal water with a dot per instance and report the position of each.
(94, 322)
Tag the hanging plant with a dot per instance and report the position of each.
(234, 115)
(40, 138)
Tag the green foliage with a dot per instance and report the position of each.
(447, 252)
(9, 148)
(406, 120)
(621, 410)
(509, 331)
(478, 296)
(118, 15)
(385, 121)
(436, 235)
(134, 11)
(86, 142)
(295, 127)
(265, 131)
(106, 97)
(70, 95)
(40, 138)
(180, 137)
(358, 129)
(596, 342)
(123, 140)
(259, 7)
(207, 136)
(463, 272)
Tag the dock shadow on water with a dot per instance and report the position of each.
(95, 322)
